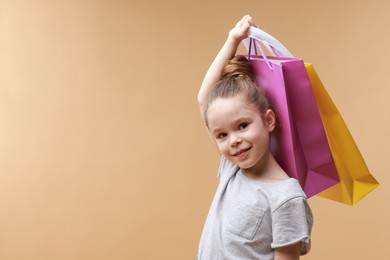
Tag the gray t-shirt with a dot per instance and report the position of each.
(248, 219)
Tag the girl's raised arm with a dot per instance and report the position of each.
(236, 35)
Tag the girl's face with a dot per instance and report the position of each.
(240, 132)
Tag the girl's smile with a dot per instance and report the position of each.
(242, 153)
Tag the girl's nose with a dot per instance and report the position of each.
(235, 140)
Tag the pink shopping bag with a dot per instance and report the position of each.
(301, 146)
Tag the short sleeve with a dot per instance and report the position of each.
(292, 223)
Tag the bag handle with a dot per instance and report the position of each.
(254, 42)
(271, 43)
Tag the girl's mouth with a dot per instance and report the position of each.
(242, 152)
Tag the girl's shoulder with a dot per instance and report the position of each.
(226, 169)
(282, 192)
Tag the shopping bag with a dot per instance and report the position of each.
(301, 147)
(355, 178)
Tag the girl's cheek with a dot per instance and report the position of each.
(222, 148)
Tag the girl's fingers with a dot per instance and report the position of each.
(246, 18)
(241, 22)
(242, 27)
(250, 21)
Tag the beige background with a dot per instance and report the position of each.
(103, 154)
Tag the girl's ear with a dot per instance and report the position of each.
(270, 120)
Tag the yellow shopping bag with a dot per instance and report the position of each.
(355, 178)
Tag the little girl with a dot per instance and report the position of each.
(258, 212)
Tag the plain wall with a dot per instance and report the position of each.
(103, 154)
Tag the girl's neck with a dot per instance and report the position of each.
(267, 170)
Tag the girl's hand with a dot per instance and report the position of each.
(240, 32)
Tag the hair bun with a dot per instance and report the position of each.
(237, 67)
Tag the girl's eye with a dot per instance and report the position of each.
(221, 135)
(242, 126)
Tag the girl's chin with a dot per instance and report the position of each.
(245, 165)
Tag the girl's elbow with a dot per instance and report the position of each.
(201, 101)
